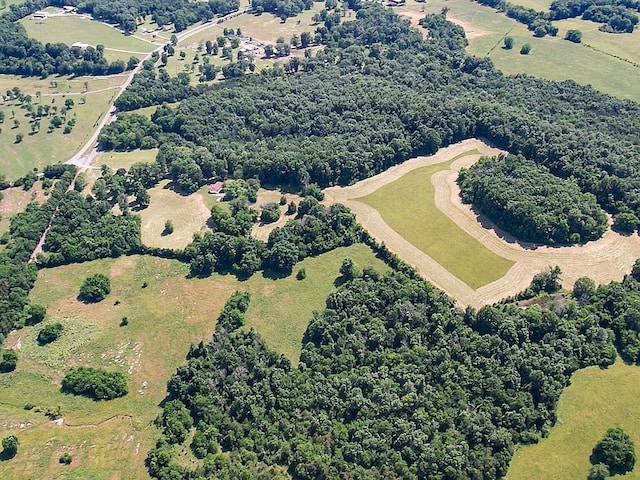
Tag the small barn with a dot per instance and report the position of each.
(216, 188)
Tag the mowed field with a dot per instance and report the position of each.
(79, 28)
(109, 440)
(551, 57)
(607, 259)
(408, 206)
(595, 401)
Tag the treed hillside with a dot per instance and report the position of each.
(394, 382)
(379, 94)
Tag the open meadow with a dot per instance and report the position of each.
(608, 66)
(166, 313)
(15, 200)
(69, 28)
(595, 401)
(408, 206)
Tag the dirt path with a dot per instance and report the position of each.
(604, 260)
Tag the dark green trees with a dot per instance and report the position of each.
(95, 288)
(50, 333)
(95, 383)
(10, 446)
(526, 200)
(574, 36)
(8, 361)
(616, 451)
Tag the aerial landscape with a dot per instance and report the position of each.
(297, 239)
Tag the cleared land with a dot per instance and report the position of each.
(110, 439)
(595, 401)
(42, 148)
(80, 28)
(604, 260)
(412, 197)
(188, 213)
(551, 57)
(15, 200)
(125, 160)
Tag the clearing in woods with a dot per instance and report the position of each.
(110, 439)
(604, 260)
(595, 401)
(608, 62)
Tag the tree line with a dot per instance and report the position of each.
(524, 199)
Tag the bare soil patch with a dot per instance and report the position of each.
(604, 260)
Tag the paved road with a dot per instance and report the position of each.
(87, 153)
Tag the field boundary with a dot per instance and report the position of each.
(604, 260)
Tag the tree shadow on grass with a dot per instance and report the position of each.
(4, 455)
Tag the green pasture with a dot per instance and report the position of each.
(551, 57)
(408, 206)
(43, 148)
(117, 160)
(595, 401)
(76, 28)
(110, 439)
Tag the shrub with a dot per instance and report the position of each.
(574, 36)
(168, 228)
(270, 213)
(50, 333)
(65, 458)
(9, 361)
(36, 314)
(301, 275)
(94, 383)
(95, 288)
(124, 322)
(526, 48)
(10, 446)
(616, 451)
(508, 43)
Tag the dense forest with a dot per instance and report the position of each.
(524, 199)
(378, 94)
(393, 382)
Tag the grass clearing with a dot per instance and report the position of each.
(281, 309)
(551, 57)
(15, 200)
(188, 213)
(412, 197)
(125, 160)
(110, 439)
(42, 148)
(595, 401)
(79, 28)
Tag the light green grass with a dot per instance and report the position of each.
(117, 160)
(15, 200)
(75, 28)
(595, 401)
(43, 148)
(110, 439)
(408, 206)
(550, 58)
(280, 309)
(539, 5)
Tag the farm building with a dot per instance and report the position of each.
(216, 188)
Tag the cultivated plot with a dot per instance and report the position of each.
(604, 260)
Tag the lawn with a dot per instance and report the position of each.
(110, 439)
(117, 160)
(550, 58)
(188, 213)
(43, 148)
(408, 206)
(78, 28)
(595, 401)
(15, 200)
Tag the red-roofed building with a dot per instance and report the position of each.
(215, 188)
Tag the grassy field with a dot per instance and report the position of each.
(117, 160)
(189, 215)
(110, 439)
(43, 148)
(550, 58)
(15, 200)
(408, 206)
(76, 28)
(595, 401)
